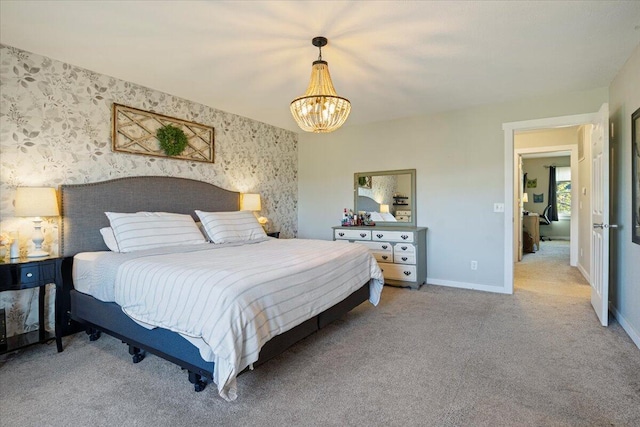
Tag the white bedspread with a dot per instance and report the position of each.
(237, 298)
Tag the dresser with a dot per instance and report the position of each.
(401, 252)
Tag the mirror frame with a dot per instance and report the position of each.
(412, 172)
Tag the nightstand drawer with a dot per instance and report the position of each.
(29, 274)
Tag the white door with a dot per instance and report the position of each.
(600, 215)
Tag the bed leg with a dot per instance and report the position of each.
(196, 380)
(136, 353)
(94, 334)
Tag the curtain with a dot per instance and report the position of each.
(553, 195)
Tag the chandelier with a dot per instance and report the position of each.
(320, 109)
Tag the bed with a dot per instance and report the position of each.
(199, 348)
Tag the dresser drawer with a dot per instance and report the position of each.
(392, 236)
(383, 256)
(378, 246)
(403, 218)
(403, 213)
(404, 258)
(344, 234)
(405, 273)
(404, 248)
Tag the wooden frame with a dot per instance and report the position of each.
(134, 132)
(635, 176)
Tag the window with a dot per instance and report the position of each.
(563, 188)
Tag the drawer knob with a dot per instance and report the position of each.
(379, 236)
(407, 273)
(404, 258)
(29, 274)
(363, 235)
(384, 257)
(384, 246)
(404, 237)
(404, 248)
(341, 234)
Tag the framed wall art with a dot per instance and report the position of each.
(635, 176)
(143, 132)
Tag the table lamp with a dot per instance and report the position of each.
(525, 197)
(384, 208)
(37, 202)
(250, 202)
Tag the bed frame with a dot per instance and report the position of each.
(83, 208)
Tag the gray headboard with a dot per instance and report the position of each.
(83, 205)
(367, 204)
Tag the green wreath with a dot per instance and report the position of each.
(173, 141)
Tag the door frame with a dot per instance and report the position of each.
(509, 129)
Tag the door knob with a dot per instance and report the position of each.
(602, 225)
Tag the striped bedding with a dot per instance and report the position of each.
(237, 298)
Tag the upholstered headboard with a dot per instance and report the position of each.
(367, 204)
(83, 205)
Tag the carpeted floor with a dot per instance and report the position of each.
(434, 357)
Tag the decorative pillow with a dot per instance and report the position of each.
(146, 230)
(109, 239)
(229, 227)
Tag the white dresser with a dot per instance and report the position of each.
(401, 252)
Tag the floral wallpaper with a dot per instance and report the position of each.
(55, 128)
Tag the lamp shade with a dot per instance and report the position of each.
(250, 202)
(36, 201)
(525, 198)
(384, 208)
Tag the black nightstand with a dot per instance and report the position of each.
(275, 234)
(26, 273)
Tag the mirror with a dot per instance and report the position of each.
(389, 196)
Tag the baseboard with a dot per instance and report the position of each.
(465, 285)
(633, 334)
(584, 273)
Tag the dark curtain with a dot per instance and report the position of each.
(553, 195)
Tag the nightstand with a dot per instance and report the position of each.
(27, 273)
(275, 234)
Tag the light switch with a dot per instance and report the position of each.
(498, 207)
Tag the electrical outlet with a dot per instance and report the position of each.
(498, 207)
(474, 265)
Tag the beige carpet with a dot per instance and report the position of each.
(548, 271)
(434, 357)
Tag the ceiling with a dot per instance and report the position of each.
(391, 59)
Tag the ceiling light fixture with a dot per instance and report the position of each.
(320, 109)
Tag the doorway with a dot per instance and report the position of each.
(512, 190)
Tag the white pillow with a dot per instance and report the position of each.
(109, 239)
(229, 227)
(146, 230)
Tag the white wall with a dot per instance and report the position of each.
(625, 255)
(459, 162)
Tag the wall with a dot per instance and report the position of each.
(460, 170)
(624, 281)
(535, 169)
(55, 128)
